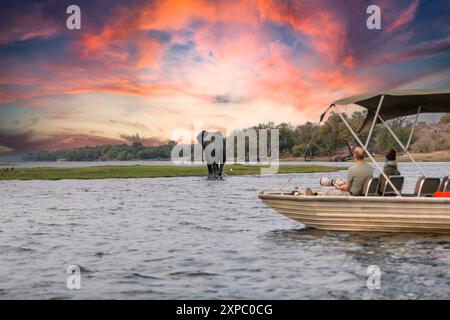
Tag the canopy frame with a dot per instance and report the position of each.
(401, 145)
(372, 127)
(366, 150)
(374, 121)
(413, 127)
(400, 103)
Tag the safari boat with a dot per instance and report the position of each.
(388, 211)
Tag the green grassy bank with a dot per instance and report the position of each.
(124, 172)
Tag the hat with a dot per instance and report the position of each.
(391, 155)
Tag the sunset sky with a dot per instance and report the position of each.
(150, 67)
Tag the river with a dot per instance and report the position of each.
(189, 238)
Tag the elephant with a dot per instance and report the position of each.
(213, 147)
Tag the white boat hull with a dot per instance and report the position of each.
(381, 214)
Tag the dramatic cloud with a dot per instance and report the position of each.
(144, 68)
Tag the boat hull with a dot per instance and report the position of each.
(380, 214)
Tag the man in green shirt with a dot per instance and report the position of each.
(356, 177)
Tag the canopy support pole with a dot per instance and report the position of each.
(374, 121)
(308, 148)
(322, 116)
(401, 145)
(367, 152)
(413, 127)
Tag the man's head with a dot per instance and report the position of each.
(358, 154)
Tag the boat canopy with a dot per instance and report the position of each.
(399, 103)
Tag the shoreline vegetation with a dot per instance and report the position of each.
(137, 171)
(437, 156)
(332, 142)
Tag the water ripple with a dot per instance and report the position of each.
(191, 238)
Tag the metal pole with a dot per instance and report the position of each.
(413, 127)
(401, 145)
(322, 116)
(374, 121)
(368, 153)
(308, 148)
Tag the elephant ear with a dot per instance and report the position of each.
(200, 137)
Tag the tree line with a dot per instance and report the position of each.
(120, 152)
(332, 139)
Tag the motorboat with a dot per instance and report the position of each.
(382, 208)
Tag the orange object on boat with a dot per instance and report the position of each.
(442, 194)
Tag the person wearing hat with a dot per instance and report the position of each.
(390, 166)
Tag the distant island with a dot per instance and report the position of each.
(119, 152)
(332, 142)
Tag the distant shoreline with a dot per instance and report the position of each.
(133, 172)
(437, 156)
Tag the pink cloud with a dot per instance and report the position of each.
(405, 17)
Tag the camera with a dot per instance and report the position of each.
(328, 182)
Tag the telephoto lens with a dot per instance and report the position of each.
(328, 182)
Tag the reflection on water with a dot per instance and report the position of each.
(193, 238)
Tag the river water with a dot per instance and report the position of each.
(175, 238)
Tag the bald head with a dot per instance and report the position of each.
(359, 153)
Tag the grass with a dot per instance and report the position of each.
(126, 172)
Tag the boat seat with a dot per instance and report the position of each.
(426, 187)
(371, 187)
(445, 185)
(397, 181)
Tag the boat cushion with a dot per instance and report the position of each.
(397, 181)
(445, 185)
(427, 186)
(371, 187)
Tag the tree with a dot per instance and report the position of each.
(286, 138)
(386, 141)
(333, 135)
(299, 150)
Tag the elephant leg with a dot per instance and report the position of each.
(215, 170)
(221, 170)
(210, 171)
